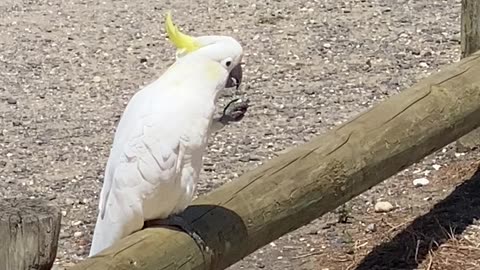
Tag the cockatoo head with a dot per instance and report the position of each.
(222, 49)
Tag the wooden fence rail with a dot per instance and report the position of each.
(313, 179)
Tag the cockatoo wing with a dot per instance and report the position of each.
(144, 165)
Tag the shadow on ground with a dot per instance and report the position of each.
(448, 218)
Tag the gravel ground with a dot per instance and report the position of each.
(68, 69)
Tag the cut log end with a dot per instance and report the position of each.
(29, 230)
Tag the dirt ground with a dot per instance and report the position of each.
(67, 69)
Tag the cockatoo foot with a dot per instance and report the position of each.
(234, 111)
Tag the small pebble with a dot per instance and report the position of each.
(78, 234)
(310, 92)
(64, 235)
(371, 228)
(11, 101)
(39, 142)
(436, 167)
(69, 201)
(383, 207)
(76, 223)
(244, 159)
(96, 79)
(420, 182)
(423, 65)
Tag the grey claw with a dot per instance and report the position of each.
(235, 110)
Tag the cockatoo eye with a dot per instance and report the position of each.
(227, 62)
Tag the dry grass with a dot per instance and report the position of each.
(432, 240)
(455, 254)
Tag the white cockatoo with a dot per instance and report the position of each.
(157, 151)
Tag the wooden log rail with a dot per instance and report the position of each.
(313, 179)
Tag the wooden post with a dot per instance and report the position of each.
(297, 187)
(470, 29)
(29, 232)
(470, 35)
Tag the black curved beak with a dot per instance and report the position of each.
(235, 77)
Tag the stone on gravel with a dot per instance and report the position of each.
(11, 101)
(420, 182)
(371, 228)
(96, 79)
(383, 207)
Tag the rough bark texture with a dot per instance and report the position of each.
(313, 179)
(470, 27)
(29, 233)
(470, 44)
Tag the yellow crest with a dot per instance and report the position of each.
(179, 39)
